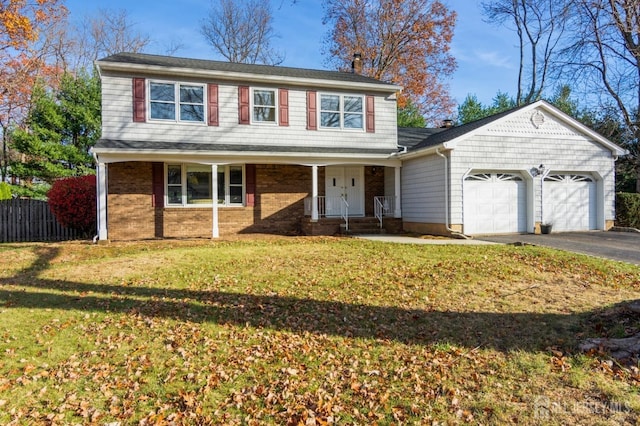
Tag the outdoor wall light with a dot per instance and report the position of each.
(536, 171)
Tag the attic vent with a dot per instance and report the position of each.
(537, 119)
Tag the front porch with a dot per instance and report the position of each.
(332, 216)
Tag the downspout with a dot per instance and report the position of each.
(446, 197)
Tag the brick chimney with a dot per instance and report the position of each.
(356, 65)
(447, 124)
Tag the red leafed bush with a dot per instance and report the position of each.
(73, 202)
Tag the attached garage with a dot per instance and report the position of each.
(494, 203)
(508, 173)
(570, 202)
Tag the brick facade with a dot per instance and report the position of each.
(279, 204)
(130, 211)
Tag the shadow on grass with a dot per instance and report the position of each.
(502, 331)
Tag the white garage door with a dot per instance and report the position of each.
(569, 202)
(495, 203)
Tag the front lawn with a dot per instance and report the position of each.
(310, 331)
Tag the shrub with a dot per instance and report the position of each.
(628, 209)
(35, 192)
(73, 202)
(5, 191)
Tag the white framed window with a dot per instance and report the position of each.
(264, 102)
(190, 185)
(341, 111)
(183, 102)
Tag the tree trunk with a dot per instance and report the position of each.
(619, 349)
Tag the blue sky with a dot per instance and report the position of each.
(486, 54)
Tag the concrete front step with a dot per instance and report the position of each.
(357, 225)
(362, 226)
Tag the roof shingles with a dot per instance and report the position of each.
(230, 67)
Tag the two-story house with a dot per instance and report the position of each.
(198, 148)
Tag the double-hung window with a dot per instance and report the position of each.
(176, 102)
(341, 111)
(264, 106)
(230, 185)
(191, 185)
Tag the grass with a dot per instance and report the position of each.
(310, 330)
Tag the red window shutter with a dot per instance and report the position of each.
(371, 116)
(312, 108)
(243, 104)
(139, 101)
(157, 173)
(213, 104)
(250, 184)
(283, 107)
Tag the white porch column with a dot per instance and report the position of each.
(314, 193)
(398, 204)
(101, 201)
(215, 230)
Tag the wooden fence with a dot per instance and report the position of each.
(30, 220)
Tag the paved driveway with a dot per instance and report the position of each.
(623, 246)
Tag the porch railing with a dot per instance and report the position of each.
(328, 206)
(383, 206)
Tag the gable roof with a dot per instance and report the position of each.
(425, 139)
(143, 62)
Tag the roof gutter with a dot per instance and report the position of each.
(405, 155)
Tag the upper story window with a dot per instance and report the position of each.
(341, 111)
(264, 106)
(176, 102)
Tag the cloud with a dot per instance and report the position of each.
(495, 59)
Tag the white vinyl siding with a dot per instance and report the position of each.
(117, 123)
(423, 190)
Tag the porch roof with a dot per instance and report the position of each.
(135, 146)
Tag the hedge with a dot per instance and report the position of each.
(628, 209)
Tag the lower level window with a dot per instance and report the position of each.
(191, 184)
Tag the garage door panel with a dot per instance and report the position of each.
(569, 202)
(494, 203)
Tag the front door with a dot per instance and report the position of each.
(347, 182)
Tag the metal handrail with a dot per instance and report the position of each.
(378, 209)
(345, 216)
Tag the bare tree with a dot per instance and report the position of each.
(540, 26)
(604, 54)
(105, 33)
(241, 31)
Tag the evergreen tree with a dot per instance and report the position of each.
(61, 128)
(472, 109)
(409, 116)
